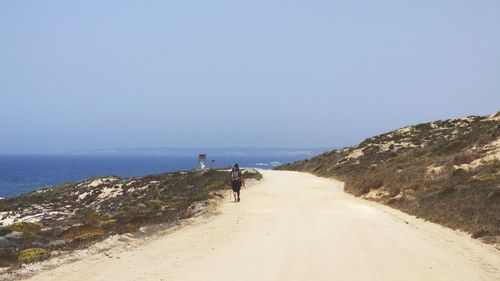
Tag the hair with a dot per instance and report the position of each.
(236, 166)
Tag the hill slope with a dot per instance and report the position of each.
(445, 171)
(52, 220)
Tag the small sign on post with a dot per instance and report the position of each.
(202, 159)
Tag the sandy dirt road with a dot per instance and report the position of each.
(295, 226)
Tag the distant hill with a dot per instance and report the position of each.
(445, 171)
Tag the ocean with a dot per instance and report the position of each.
(20, 174)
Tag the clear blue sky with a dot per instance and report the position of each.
(103, 74)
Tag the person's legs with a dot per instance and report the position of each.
(238, 190)
(234, 187)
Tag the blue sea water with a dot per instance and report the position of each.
(20, 174)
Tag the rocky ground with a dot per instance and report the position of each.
(76, 215)
(445, 171)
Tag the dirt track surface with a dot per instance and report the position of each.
(295, 226)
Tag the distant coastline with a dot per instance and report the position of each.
(210, 151)
(24, 173)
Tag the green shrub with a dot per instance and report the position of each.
(4, 231)
(216, 185)
(154, 204)
(199, 197)
(89, 236)
(32, 255)
(173, 203)
(450, 147)
(29, 229)
(486, 178)
(26, 226)
(79, 230)
(400, 158)
(107, 223)
(252, 175)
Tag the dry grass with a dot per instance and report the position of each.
(466, 199)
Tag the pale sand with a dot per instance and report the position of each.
(295, 226)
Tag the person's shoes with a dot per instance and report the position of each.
(238, 199)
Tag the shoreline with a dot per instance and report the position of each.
(24, 175)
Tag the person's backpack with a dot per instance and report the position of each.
(235, 175)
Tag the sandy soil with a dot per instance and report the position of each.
(295, 226)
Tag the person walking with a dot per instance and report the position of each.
(236, 182)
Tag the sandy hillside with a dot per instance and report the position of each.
(295, 226)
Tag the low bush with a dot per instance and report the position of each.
(32, 255)
(107, 223)
(26, 226)
(252, 175)
(89, 236)
(29, 229)
(154, 204)
(4, 231)
(79, 230)
(486, 178)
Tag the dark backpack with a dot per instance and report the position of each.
(235, 175)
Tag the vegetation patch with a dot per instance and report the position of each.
(154, 203)
(26, 226)
(107, 223)
(4, 231)
(252, 175)
(79, 230)
(28, 229)
(464, 194)
(75, 215)
(32, 255)
(92, 219)
(90, 236)
(486, 178)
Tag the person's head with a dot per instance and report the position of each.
(236, 166)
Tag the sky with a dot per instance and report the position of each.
(106, 74)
